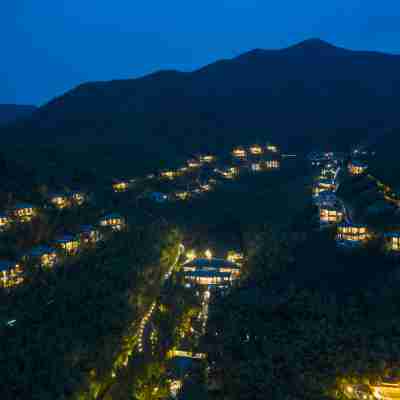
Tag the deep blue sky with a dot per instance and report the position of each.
(49, 46)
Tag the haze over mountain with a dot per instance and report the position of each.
(11, 112)
(309, 95)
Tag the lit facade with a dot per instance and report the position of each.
(208, 158)
(120, 186)
(43, 255)
(194, 163)
(11, 274)
(5, 221)
(256, 150)
(183, 195)
(330, 215)
(88, 234)
(256, 167)
(239, 153)
(24, 212)
(392, 241)
(352, 233)
(168, 174)
(357, 168)
(114, 221)
(208, 278)
(60, 201)
(272, 164)
(68, 244)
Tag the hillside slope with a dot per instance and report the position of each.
(306, 96)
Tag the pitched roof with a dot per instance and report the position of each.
(6, 265)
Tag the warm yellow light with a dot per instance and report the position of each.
(208, 254)
(190, 255)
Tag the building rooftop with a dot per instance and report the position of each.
(207, 274)
(351, 225)
(6, 265)
(23, 205)
(40, 250)
(65, 239)
(86, 229)
(212, 263)
(111, 216)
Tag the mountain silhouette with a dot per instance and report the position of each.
(309, 95)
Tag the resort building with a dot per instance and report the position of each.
(352, 234)
(392, 241)
(208, 158)
(256, 150)
(43, 255)
(208, 278)
(88, 234)
(60, 200)
(5, 221)
(272, 164)
(330, 215)
(193, 163)
(68, 244)
(256, 167)
(24, 212)
(272, 148)
(78, 198)
(239, 153)
(357, 168)
(182, 195)
(114, 221)
(169, 174)
(120, 186)
(11, 274)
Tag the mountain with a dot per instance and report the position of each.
(11, 112)
(310, 95)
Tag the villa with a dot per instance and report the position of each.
(239, 152)
(114, 221)
(68, 244)
(120, 186)
(207, 158)
(60, 200)
(256, 150)
(330, 215)
(11, 274)
(24, 212)
(352, 234)
(43, 255)
(78, 198)
(88, 234)
(392, 241)
(357, 168)
(5, 221)
(272, 164)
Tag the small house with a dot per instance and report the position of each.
(193, 163)
(5, 221)
(272, 148)
(256, 150)
(24, 212)
(256, 167)
(357, 168)
(182, 195)
(11, 274)
(272, 164)
(208, 158)
(67, 243)
(392, 241)
(120, 186)
(352, 234)
(60, 200)
(239, 152)
(329, 214)
(88, 234)
(78, 198)
(43, 255)
(114, 221)
(169, 174)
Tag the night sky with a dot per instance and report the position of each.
(49, 46)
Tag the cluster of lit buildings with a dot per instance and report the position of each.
(212, 272)
(357, 168)
(11, 272)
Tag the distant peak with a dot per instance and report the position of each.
(313, 44)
